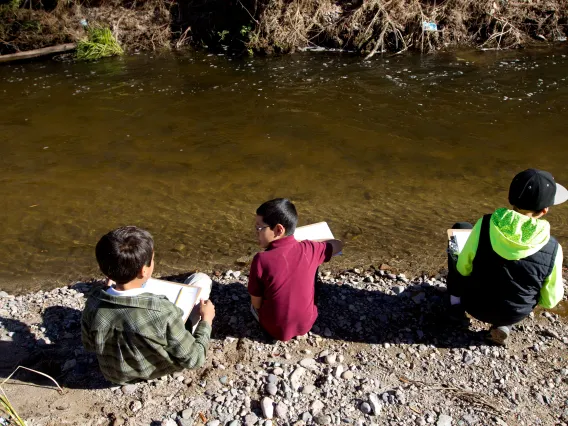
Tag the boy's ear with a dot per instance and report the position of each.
(279, 231)
(143, 271)
(544, 211)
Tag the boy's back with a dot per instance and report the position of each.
(140, 337)
(284, 277)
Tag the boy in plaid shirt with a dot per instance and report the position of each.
(138, 335)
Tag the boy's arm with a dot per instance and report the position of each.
(86, 335)
(465, 258)
(552, 291)
(256, 302)
(337, 246)
(255, 286)
(187, 350)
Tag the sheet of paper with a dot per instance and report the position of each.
(182, 295)
(164, 288)
(316, 231)
(187, 299)
(460, 236)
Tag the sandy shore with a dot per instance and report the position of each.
(380, 353)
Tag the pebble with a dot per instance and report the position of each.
(251, 419)
(398, 289)
(278, 371)
(187, 413)
(306, 390)
(444, 420)
(331, 359)
(69, 364)
(316, 407)
(135, 406)
(267, 406)
(348, 375)
(365, 408)
(295, 378)
(129, 389)
(419, 298)
(271, 389)
(3, 294)
(213, 423)
(272, 378)
(375, 403)
(223, 380)
(308, 362)
(322, 420)
(281, 410)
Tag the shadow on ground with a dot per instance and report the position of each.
(354, 315)
(346, 313)
(59, 354)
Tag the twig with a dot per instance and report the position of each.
(471, 397)
(251, 17)
(33, 371)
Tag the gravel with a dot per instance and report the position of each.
(390, 345)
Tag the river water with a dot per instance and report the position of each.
(389, 152)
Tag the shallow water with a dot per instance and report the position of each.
(389, 152)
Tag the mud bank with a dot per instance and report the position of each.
(275, 26)
(381, 352)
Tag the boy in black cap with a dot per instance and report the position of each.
(510, 260)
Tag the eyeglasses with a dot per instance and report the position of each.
(260, 228)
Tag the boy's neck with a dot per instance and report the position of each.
(529, 213)
(135, 283)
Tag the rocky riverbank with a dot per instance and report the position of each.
(380, 353)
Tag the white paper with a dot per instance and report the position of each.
(461, 238)
(182, 295)
(316, 231)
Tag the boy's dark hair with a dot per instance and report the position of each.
(279, 211)
(123, 252)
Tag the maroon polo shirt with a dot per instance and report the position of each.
(284, 276)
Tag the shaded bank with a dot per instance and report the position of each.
(280, 26)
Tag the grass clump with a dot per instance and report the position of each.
(100, 43)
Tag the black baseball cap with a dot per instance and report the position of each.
(535, 190)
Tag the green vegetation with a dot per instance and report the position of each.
(7, 408)
(100, 43)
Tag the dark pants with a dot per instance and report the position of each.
(455, 280)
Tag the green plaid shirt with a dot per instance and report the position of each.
(140, 337)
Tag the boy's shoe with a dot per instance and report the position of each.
(499, 335)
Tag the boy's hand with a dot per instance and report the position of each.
(207, 311)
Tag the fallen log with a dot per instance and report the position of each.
(37, 52)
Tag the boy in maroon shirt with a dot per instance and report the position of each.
(282, 278)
